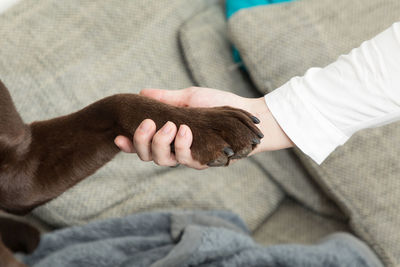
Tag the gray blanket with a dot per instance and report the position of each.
(185, 239)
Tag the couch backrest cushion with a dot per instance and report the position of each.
(280, 41)
(58, 56)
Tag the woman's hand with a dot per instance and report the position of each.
(152, 145)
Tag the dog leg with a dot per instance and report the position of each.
(51, 156)
(7, 258)
(19, 236)
(40, 161)
(16, 236)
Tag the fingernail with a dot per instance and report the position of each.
(166, 129)
(144, 127)
(255, 119)
(260, 135)
(182, 131)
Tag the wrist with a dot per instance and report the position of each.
(274, 137)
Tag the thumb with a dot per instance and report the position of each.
(172, 97)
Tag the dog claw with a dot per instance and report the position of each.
(228, 151)
(260, 135)
(256, 141)
(255, 119)
(242, 154)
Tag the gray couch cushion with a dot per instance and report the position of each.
(58, 56)
(280, 41)
(207, 52)
(309, 227)
(288, 38)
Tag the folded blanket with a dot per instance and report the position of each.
(186, 239)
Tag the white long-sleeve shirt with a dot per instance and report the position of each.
(322, 109)
(6, 4)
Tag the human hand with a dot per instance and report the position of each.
(152, 145)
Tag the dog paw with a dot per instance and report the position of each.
(221, 134)
(19, 236)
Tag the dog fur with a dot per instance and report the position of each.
(41, 160)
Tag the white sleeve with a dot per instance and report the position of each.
(322, 109)
(6, 4)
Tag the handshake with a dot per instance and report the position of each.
(170, 146)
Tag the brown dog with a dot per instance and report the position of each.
(41, 160)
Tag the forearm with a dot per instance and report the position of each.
(274, 137)
(322, 109)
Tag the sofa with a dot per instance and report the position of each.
(58, 56)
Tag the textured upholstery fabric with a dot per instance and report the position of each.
(58, 56)
(289, 38)
(309, 227)
(206, 48)
(281, 41)
(289, 173)
(363, 177)
(207, 52)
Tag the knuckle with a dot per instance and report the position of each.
(144, 157)
(164, 163)
(161, 160)
(182, 160)
(140, 138)
(158, 161)
(179, 146)
(161, 163)
(158, 141)
(183, 156)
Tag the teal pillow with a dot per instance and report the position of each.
(232, 6)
